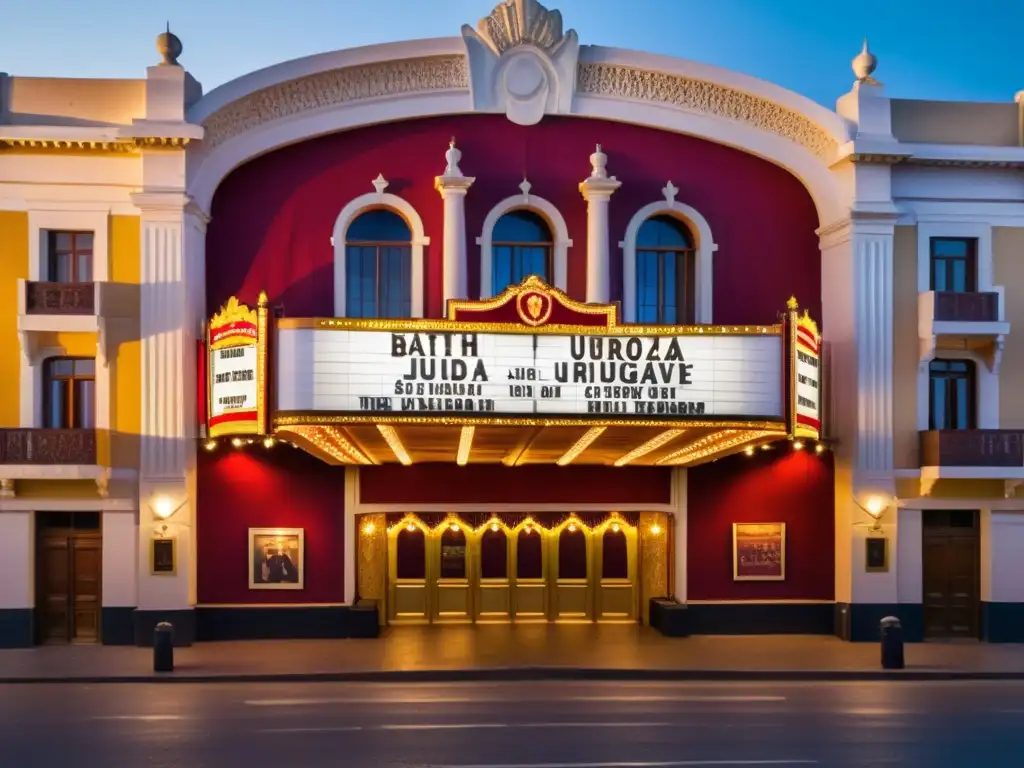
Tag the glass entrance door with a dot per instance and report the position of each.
(453, 599)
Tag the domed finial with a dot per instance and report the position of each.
(599, 164)
(452, 157)
(169, 47)
(864, 65)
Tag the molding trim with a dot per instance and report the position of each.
(706, 247)
(559, 233)
(368, 202)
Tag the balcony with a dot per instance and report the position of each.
(975, 321)
(60, 298)
(106, 309)
(50, 447)
(971, 454)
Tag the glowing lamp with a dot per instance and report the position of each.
(572, 527)
(237, 442)
(268, 442)
(410, 527)
(655, 529)
(615, 527)
(819, 448)
(798, 445)
(494, 527)
(455, 527)
(163, 507)
(749, 450)
(210, 445)
(369, 528)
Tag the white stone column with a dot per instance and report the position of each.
(453, 187)
(597, 190)
(857, 299)
(172, 298)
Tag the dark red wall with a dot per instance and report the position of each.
(256, 488)
(273, 217)
(495, 483)
(779, 486)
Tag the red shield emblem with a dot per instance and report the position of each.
(534, 307)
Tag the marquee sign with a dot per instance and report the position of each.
(236, 370)
(806, 380)
(530, 352)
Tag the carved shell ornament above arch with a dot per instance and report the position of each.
(514, 22)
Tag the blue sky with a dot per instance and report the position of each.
(930, 49)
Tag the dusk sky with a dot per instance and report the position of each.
(929, 49)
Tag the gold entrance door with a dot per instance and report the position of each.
(492, 561)
(451, 560)
(408, 596)
(531, 590)
(571, 568)
(615, 548)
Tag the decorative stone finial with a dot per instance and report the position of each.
(169, 47)
(864, 65)
(599, 164)
(380, 184)
(670, 191)
(452, 157)
(525, 188)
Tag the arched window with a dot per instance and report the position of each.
(665, 272)
(952, 388)
(378, 266)
(520, 246)
(69, 393)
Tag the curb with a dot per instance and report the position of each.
(533, 674)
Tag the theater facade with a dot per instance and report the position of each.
(504, 328)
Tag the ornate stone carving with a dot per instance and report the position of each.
(518, 22)
(521, 63)
(48, 446)
(710, 98)
(60, 298)
(338, 86)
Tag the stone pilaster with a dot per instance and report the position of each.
(171, 301)
(597, 190)
(453, 187)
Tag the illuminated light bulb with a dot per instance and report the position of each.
(268, 442)
(766, 447)
(237, 442)
(494, 527)
(819, 448)
(410, 527)
(455, 527)
(615, 527)
(210, 445)
(655, 529)
(572, 527)
(798, 445)
(369, 528)
(249, 441)
(749, 450)
(528, 530)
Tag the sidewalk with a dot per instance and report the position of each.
(411, 654)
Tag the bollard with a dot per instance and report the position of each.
(163, 647)
(892, 643)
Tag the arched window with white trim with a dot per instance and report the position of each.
(378, 242)
(667, 264)
(521, 245)
(665, 272)
(522, 235)
(378, 265)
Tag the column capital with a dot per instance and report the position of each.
(454, 185)
(594, 188)
(166, 204)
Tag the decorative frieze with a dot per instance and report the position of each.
(338, 86)
(621, 82)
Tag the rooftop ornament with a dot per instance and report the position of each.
(864, 65)
(169, 47)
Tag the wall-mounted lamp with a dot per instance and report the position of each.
(164, 506)
(655, 529)
(875, 506)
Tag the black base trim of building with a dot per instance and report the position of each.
(184, 622)
(759, 618)
(861, 622)
(1002, 622)
(117, 625)
(286, 623)
(17, 628)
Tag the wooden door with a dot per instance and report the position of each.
(951, 577)
(68, 579)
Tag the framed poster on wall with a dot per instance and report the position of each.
(276, 558)
(163, 557)
(759, 551)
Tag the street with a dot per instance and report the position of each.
(536, 725)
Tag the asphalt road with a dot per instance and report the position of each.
(536, 725)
